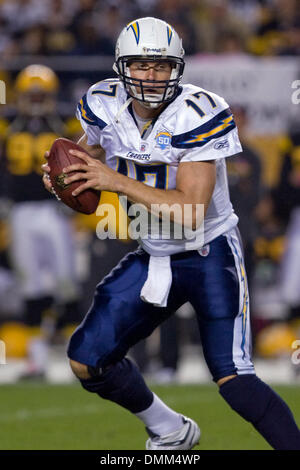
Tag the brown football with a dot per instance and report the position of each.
(59, 158)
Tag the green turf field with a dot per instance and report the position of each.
(67, 417)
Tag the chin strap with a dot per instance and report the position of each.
(123, 107)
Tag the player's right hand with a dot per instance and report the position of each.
(46, 171)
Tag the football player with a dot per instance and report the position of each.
(41, 234)
(166, 145)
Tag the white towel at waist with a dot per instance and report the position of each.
(158, 284)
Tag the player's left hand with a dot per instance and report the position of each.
(97, 174)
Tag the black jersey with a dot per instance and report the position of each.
(23, 149)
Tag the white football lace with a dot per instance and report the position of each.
(52, 189)
(55, 194)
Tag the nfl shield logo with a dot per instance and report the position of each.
(204, 251)
(143, 147)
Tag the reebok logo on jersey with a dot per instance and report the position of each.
(221, 144)
(139, 156)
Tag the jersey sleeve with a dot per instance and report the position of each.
(212, 132)
(92, 117)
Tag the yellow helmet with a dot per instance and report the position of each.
(37, 77)
(275, 340)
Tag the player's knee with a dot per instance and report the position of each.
(80, 370)
(225, 379)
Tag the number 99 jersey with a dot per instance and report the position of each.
(196, 126)
(26, 141)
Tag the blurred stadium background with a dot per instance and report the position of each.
(246, 51)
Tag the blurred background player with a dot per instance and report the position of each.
(287, 202)
(42, 237)
(245, 186)
(287, 198)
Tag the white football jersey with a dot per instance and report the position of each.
(196, 126)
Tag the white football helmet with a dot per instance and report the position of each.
(149, 39)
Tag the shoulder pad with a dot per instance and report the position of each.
(91, 107)
(203, 116)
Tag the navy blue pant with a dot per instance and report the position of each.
(214, 283)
